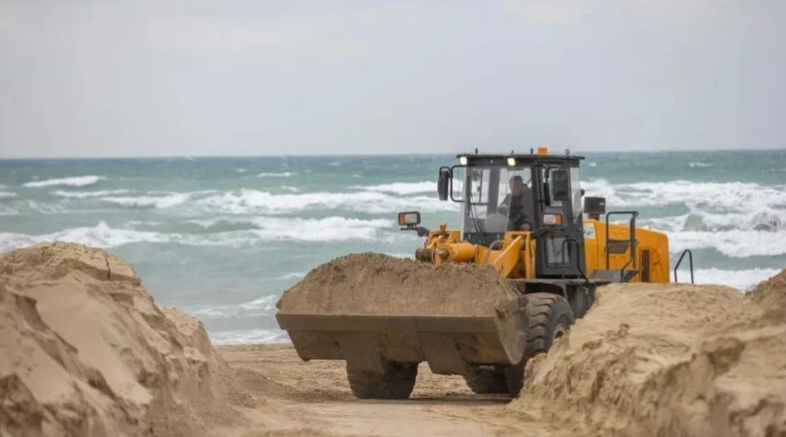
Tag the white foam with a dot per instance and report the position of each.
(5, 195)
(156, 199)
(240, 170)
(88, 194)
(734, 244)
(740, 279)
(290, 276)
(400, 255)
(319, 230)
(402, 188)
(77, 181)
(699, 165)
(253, 336)
(290, 188)
(331, 229)
(247, 201)
(708, 196)
(262, 306)
(286, 174)
(99, 236)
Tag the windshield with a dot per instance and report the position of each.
(499, 199)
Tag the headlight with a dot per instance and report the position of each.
(463, 160)
(552, 219)
(511, 162)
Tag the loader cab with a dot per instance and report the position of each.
(550, 200)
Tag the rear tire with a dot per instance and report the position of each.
(486, 380)
(397, 381)
(550, 317)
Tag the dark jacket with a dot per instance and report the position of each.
(520, 209)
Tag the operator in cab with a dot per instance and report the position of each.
(518, 205)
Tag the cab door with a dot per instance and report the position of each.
(559, 222)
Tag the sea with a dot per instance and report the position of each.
(222, 238)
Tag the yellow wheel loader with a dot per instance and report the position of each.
(479, 299)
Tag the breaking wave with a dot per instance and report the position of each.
(711, 196)
(740, 279)
(6, 195)
(402, 188)
(77, 181)
(266, 229)
(248, 201)
(286, 174)
(252, 336)
(87, 194)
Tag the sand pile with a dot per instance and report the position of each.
(665, 360)
(771, 294)
(376, 284)
(84, 351)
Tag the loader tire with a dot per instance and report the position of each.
(486, 380)
(549, 317)
(396, 382)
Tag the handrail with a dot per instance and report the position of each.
(578, 257)
(632, 235)
(690, 259)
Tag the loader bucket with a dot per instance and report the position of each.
(371, 308)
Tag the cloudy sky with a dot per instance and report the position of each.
(257, 77)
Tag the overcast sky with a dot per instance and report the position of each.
(257, 77)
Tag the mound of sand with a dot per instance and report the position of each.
(665, 360)
(771, 294)
(375, 284)
(84, 351)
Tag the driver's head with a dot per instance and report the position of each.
(516, 185)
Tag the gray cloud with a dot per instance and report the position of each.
(202, 77)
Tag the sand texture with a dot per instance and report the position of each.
(665, 360)
(378, 284)
(84, 351)
(771, 294)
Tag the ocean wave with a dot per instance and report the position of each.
(740, 279)
(285, 174)
(402, 188)
(253, 336)
(76, 181)
(158, 202)
(290, 188)
(289, 276)
(156, 199)
(331, 229)
(733, 244)
(248, 201)
(765, 219)
(699, 165)
(6, 195)
(708, 196)
(264, 305)
(87, 194)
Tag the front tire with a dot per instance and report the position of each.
(397, 381)
(550, 318)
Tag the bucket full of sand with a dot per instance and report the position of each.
(370, 308)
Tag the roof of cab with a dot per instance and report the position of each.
(519, 156)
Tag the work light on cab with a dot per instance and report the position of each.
(410, 219)
(552, 219)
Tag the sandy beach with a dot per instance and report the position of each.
(85, 351)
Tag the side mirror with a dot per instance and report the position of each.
(560, 184)
(443, 183)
